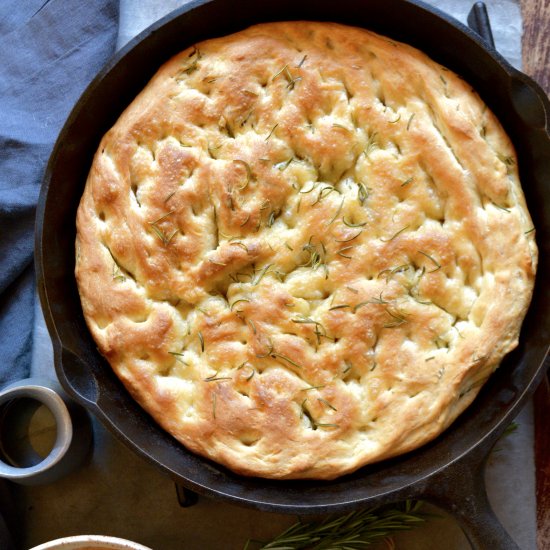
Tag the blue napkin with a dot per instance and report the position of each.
(50, 50)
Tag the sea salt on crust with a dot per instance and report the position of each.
(304, 248)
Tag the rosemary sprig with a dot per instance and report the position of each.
(352, 531)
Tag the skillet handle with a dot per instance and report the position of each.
(460, 490)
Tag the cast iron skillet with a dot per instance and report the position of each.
(448, 471)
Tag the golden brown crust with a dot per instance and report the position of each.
(303, 248)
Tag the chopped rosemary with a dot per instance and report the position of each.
(309, 388)
(160, 234)
(193, 65)
(292, 81)
(279, 73)
(201, 339)
(249, 175)
(399, 319)
(396, 120)
(281, 356)
(269, 351)
(395, 234)
(347, 240)
(117, 273)
(261, 275)
(237, 301)
(362, 193)
(178, 356)
(371, 144)
(324, 192)
(339, 209)
(501, 207)
(301, 62)
(360, 305)
(530, 231)
(282, 166)
(407, 181)
(216, 378)
(169, 196)
(325, 402)
(252, 325)
(350, 224)
(307, 321)
(271, 219)
(341, 306)
(390, 272)
(410, 120)
(163, 217)
(272, 130)
(437, 264)
(342, 250)
(313, 186)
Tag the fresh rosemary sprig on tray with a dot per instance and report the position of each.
(353, 531)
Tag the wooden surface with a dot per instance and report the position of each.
(536, 63)
(536, 40)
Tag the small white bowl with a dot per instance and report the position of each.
(90, 542)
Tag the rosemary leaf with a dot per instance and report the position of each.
(395, 234)
(350, 224)
(272, 130)
(410, 120)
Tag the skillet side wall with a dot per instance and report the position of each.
(86, 375)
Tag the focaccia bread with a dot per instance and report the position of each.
(304, 248)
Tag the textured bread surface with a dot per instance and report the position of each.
(304, 248)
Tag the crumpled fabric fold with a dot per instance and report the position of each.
(51, 50)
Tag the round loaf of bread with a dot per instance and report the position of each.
(303, 248)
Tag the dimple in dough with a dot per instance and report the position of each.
(303, 248)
